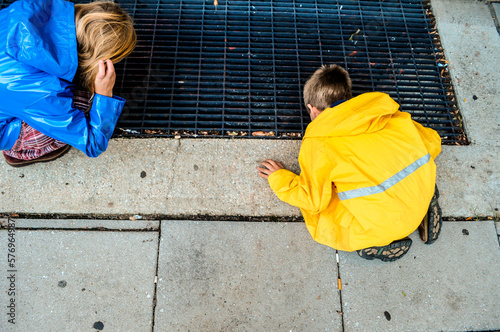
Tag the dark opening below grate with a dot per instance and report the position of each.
(237, 69)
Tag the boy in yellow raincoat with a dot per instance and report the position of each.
(368, 177)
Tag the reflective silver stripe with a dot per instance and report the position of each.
(355, 193)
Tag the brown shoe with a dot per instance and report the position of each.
(430, 227)
(14, 162)
(388, 253)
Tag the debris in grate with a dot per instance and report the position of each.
(205, 68)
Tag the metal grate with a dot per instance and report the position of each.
(237, 69)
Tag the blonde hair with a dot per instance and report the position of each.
(326, 86)
(103, 31)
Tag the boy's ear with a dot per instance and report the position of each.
(313, 111)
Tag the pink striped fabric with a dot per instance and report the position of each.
(33, 144)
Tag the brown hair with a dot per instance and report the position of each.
(103, 31)
(327, 85)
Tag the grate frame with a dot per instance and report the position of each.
(237, 69)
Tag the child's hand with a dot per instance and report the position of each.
(270, 166)
(105, 79)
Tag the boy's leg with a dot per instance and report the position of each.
(431, 226)
(388, 253)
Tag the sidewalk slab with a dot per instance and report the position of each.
(210, 177)
(73, 281)
(451, 285)
(241, 276)
(468, 178)
(175, 177)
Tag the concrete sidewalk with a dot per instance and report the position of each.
(154, 274)
(227, 276)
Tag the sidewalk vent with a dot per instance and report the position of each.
(205, 68)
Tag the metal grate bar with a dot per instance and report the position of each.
(237, 69)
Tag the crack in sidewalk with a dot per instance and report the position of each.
(172, 176)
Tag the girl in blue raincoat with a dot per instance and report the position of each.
(48, 48)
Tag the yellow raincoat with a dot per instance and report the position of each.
(367, 174)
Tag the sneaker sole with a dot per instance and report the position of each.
(429, 233)
(388, 253)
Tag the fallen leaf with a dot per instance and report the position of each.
(262, 133)
(470, 218)
(353, 53)
(318, 298)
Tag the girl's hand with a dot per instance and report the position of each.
(105, 79)
(270, 166)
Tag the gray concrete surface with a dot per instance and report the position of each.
(469, 181)
(238, 276)
(69, 281)
(210, 177)
(451, 285)
(225, 276)
(182, 177)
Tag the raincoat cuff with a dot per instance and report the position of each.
(281, 179)
(9, 133)
(114, 97)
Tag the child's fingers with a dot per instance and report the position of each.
(264, 170)
(266, 164)
(111, 68)
(272, 162)
(269, 163)
(272, 165)
(264, 176)
(102, 70)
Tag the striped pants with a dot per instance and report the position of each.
(33, 144)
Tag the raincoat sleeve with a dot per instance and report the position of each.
(431, 139)
(312, 189)
(9, 132)
(55, 116)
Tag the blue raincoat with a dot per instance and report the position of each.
(38, 61)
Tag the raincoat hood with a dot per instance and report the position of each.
(42, 34)
(364, 114)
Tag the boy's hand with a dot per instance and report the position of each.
(105, 79)
(270, 166)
